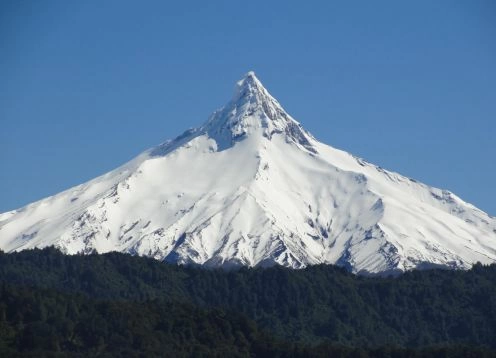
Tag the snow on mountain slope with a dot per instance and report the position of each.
(252, 187)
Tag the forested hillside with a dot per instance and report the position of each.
(127, 305)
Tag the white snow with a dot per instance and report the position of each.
(252, 187)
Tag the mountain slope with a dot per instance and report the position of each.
(252, 187)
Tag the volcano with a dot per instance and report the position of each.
(251, 187)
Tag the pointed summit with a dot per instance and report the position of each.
(249, 86)
(253, 110)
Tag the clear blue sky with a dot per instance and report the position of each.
(87, 85)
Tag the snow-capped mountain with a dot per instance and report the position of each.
(252, 187)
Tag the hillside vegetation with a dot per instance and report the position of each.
(124, 305)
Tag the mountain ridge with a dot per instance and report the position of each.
(252, 187)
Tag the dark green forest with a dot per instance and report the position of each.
(121, 305)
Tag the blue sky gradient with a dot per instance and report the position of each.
(86, 86)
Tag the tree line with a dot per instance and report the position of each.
(119, 304)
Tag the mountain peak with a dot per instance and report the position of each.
(253, 110)
(249, 86)
(250, 74)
